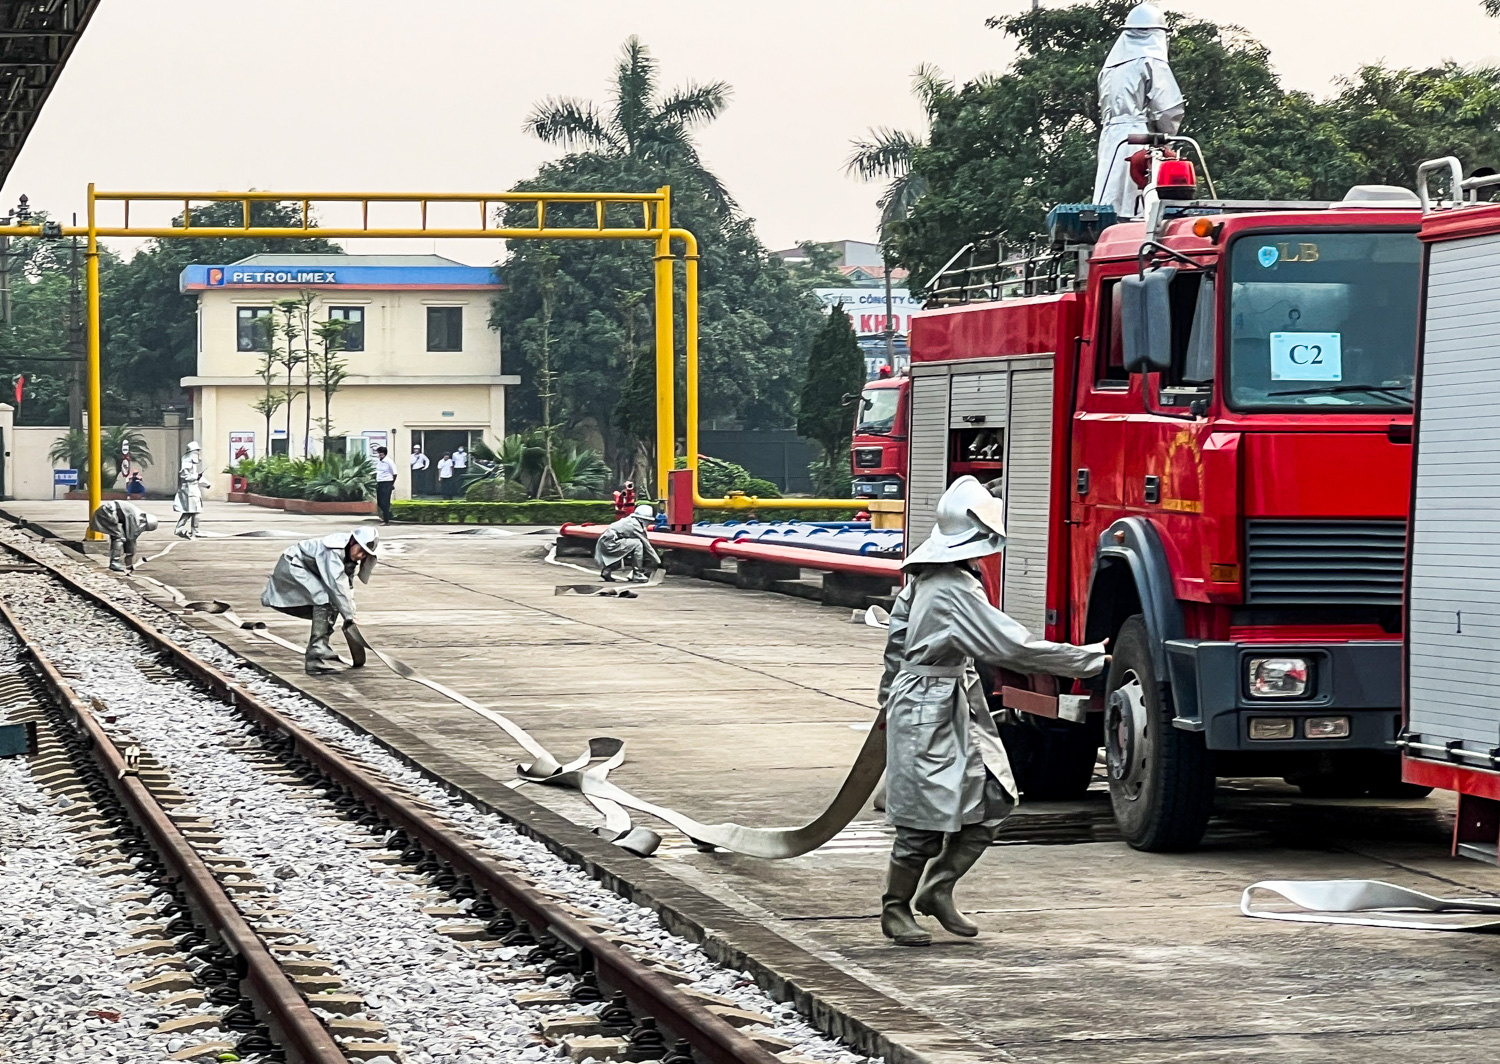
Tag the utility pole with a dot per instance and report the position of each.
(75, 340)
(890, 325)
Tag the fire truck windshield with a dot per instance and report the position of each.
(877, 415)
(1323, 320)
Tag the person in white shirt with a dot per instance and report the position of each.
(447, 482)
(419, 460)
(385, 483)
(460, 461)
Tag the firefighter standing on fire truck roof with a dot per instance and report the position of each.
(948, 781)
(1137, 94)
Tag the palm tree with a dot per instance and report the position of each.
(888, 153)
(637, 124)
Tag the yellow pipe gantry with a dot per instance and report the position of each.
(655, 208)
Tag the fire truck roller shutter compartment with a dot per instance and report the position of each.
(1454, 596)
(1028, 496)
(978, 396)
(927, 476)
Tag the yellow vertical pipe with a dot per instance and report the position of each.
(690, 254)
(666, 430)
(96, 417)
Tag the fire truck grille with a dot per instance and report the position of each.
(868, 457)
(1324, 563)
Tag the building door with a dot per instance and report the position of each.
(435, 443)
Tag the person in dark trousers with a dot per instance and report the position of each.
(447, 482)
(385, 483)
(625, 500)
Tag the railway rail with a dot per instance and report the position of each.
(593, 982)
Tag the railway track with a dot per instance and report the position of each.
(329, 903)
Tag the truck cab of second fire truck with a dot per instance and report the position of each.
(1201, 427)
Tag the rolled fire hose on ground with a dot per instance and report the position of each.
(588, 773)
(1372, 903)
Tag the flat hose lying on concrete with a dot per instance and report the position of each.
(1378, 904)
(588, 774)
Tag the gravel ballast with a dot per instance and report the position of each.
(439, 999)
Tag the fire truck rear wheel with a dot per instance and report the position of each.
(1161, 779)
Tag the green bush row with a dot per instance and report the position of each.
(533, 512)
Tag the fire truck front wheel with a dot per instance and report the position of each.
(1161, 779)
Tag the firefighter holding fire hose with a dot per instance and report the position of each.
(948, 781)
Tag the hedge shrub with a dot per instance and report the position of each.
(533, 512)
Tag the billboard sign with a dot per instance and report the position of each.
(866, 308)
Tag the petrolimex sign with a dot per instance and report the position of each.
(237, 275)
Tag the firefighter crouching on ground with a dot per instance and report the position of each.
(123, 523)
(314, 580)
(948, 781)
(624, 543)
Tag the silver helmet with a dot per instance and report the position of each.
(1145, 17)
(644, 512)
(970, 524)
(194, 446)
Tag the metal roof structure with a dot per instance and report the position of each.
(36, 38)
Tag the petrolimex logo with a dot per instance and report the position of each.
(272, 275)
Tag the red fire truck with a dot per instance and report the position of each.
(1201, 428)
(878, 454)
(1452, 702)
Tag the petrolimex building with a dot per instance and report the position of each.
(423, 364)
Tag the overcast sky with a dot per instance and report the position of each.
(388, 95)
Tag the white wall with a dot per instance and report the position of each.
(28, 473)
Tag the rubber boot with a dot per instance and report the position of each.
(896, 921)
(961, 849)
(115, 551)
(321, 657)
(639, 576)
(607, 573)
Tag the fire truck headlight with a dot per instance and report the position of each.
(1326, 727)
(1278, 677)
(1273, 728)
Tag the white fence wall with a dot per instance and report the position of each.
(29, 472)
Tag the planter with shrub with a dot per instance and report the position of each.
(530, 512)
(331, 484)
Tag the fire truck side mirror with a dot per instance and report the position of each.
(1146, 321)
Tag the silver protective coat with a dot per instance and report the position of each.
(1138, 93)
(622, 541)
(315, 572)
(941, 741)
(121, 520)
(190, 485)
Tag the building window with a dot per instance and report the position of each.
(445, 328)
(253, 328)
(354, 335)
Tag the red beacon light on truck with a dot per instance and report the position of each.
(1176, 179)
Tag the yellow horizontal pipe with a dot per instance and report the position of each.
(751, 502)
(389, 197)
(333, 233)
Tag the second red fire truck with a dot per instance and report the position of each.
(1201, 427)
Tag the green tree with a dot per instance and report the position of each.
(637, 124)
(887, 154)
(754, 318)
(835, 371)
(1003, 149)
(635, 411)
(327, 369)
(151, 327)
(44, 340)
